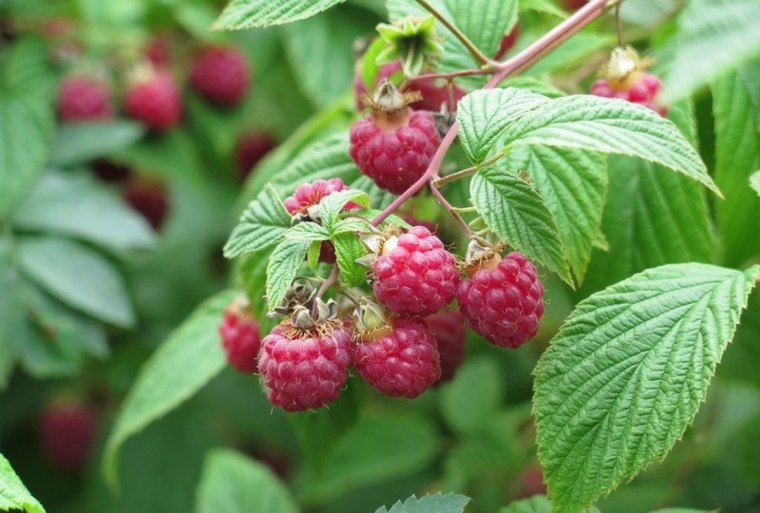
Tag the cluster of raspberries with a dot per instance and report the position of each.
(415, 341)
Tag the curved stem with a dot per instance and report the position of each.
(329, 281)
(474, 50)
(451, 210)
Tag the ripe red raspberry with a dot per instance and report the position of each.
(643, 92)
(155, 101)
(301, 369)
(250, 149)
(221, 75)
(403, 361)
(414, 274)
(240, 337)
(504, 304)
(83, 98)
(507, 42)
(149, 199)
(394, 156)
(450, 332)
(435, 95)
(68, 431)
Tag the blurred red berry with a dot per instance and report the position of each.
(82, 98)
(158, 52)
(240, 337)
(149, 199)
(155, 101)
(450, 332)
(221, 75)
(68, 431)
(507, 42)
(250, 149)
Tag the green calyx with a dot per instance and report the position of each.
(413, 41)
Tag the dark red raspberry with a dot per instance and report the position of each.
(149, 199)
(68, 431)
(574, 5)
(403, 362)
(414, 274)
(83, 98)
(435, 95)
(504, 304)
(395, 156)
(361, 89)
(250, 149)
(507, 42)
(155, 101)
(303, 370)
(158, 52)
(450, 332)
(531, 482)
(240, 337)
(221, 75)
(110, 171)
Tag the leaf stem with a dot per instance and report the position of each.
(474, 50)
(468, 171)
(329, 281)
(451, 210)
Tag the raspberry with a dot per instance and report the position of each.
(504, 304)
(68, 431)
(309, 194)
(250, 149)
(574, 5)
(531, 482)
(155, 101)
(149, 199)
(109, 171)
(82, 98)
(430, 225)
(403, 362)
(158, 52)
(414, 274)
(643, 92)
(434, 95)
(394, 157)
(301, 369)
(221, 75)
(450, 332)
(361, 89)
(240, 337)
(507, 42)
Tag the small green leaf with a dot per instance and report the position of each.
(262, 225)
(609, 126)
(714, 36)
(332, 205)
(78, 276)
(242, 14)
(437, 503)
(283, 267)
(189, 358)
(625, 375)
(312, 257)
(349, 248)
(234, 483)
(516, 213)
(307, 231)
(351, 225)
(81, 142)
(13, 493)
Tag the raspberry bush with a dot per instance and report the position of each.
(462, 256)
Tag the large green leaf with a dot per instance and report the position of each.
(78, 276)
(80, 142)
(78, 207)
(609, 126)
(262, 225)
(517, 214)
(13, 493)
(438, 503)
(241, 14)
(184, 363)
(233, 483)
(12, 311)
(625, 375)
(737, 156)
(472, 400)
(714, 36)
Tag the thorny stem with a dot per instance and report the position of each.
(519, 62)
(474, 50)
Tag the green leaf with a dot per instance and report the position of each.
(754, 182)
(308, 231)
(233, 483)
(13, 493)
(573, 185)
(438, 503)
(516, 213)
(79, 207)
(283, 267)
(182, 365)
(470, 401)
(535, 504)
(484, 115)
(78, 276)
(351, 225)
(609, 126)
(12, 311)
(331, 206)
(714, 36)
(262, 225)
(625, 375)
(81, 142)
(242, 14)
(349, 248)
(737, 156)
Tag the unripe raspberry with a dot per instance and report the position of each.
(302, 370)
(240, 336)
(505, 303)
(68, 432)
(402, 361)
(149, 199)
(83, 98)
(507, 42)
(450, 332)
(414, 274)
(625, 78)
(155, 101)
(309, 194)
(250, 149)
(221, 75)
